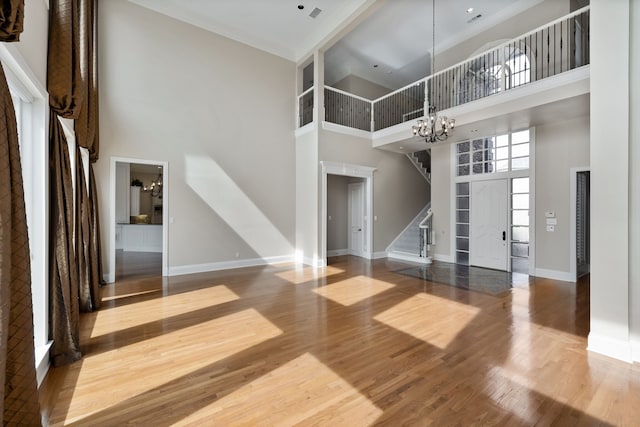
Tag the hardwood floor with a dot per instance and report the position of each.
(351, 344)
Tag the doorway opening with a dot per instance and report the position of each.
(346, 209)
(580, 219)
(139, 219)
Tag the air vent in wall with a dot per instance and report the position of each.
(475, 18)
(315, 12)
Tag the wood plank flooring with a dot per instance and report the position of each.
(352, 344)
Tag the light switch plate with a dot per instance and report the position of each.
(551, 228)
(550, 214)
(552, 221)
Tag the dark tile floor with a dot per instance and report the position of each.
(492, 282)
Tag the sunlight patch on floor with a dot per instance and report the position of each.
(114, 319)
(354, 290)
(302, 390)
(426, 317)
(305, 274)
(111, 378)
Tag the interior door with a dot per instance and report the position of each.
(356, 218)
(489, 224)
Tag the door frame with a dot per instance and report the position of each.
(349, 218)
(111, 226)
(573, 196)
(355, 171)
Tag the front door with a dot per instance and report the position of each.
(356, 218)
(489, 224)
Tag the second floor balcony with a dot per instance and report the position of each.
(544, 66)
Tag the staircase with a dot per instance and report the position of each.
(422, 161)
(407, 246)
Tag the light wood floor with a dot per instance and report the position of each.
(352, 344)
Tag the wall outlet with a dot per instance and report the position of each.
(551, 228)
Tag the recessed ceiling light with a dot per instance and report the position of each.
(375, 65)
(300, 6)
(468, 10)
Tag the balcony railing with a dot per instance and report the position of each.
(346, 109)
(305, 107)
(559, 46)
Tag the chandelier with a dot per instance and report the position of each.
(155, 188)
(434, 128)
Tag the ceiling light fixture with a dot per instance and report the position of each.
(434, 128)
(155, 188)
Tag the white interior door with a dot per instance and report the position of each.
(489, 224)
(356, 218)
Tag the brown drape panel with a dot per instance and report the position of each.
(63, 282)
(19, 402)
(86, 128)
(65, 97)
(76, 270)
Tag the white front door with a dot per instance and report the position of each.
(356, 218)
(489, 224)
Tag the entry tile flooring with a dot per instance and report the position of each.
(484, 280)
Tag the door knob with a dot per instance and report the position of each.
(504, 235)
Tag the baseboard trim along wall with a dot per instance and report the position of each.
(228, 265)
(378, 255)
(564, 276)
(337, 252)
(611, 347)
(635, 351)
(443, 258)
(408, 257)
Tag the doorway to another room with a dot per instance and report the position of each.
(138, 240)
(345, 215)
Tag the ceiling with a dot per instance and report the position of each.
(401, 54)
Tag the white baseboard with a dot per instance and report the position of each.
(228, 265)
(635, 351)
(42, 361)
(611, 347)
(338, 252)
(379, 255)
(408, 257)
(108, 277)
(443, 258)
(564, 276)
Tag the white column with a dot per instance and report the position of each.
(609, 152)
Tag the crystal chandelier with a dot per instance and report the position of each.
(434, 128)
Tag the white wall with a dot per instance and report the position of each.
(307, 195)
(441, 197)
(559, 147)
(399, 191)
(221, 113)
(634, 192)
(610, 290)
(33, 40)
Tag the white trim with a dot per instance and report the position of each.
(351, 95)
(309, 127)
(314, 262)
(42, 361)
(378, 255)
(409, 257)
(635, 351)
(444, 258)
(612, 347)
(563, 276)
(228, 265)
(532, 199)
(357, 171)
(110, 274)
(333, 127)
(573, 188)
(337, 252)
(12, 58)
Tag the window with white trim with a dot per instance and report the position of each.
(493, 154)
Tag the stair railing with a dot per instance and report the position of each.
(426, 237)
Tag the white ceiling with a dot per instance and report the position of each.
(275, 26)
(396, 37)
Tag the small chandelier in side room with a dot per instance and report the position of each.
(155, 188)
(434, 128)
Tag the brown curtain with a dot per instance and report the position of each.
(65, 99)
(86, 129)
(76, 266)
(19, 402)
